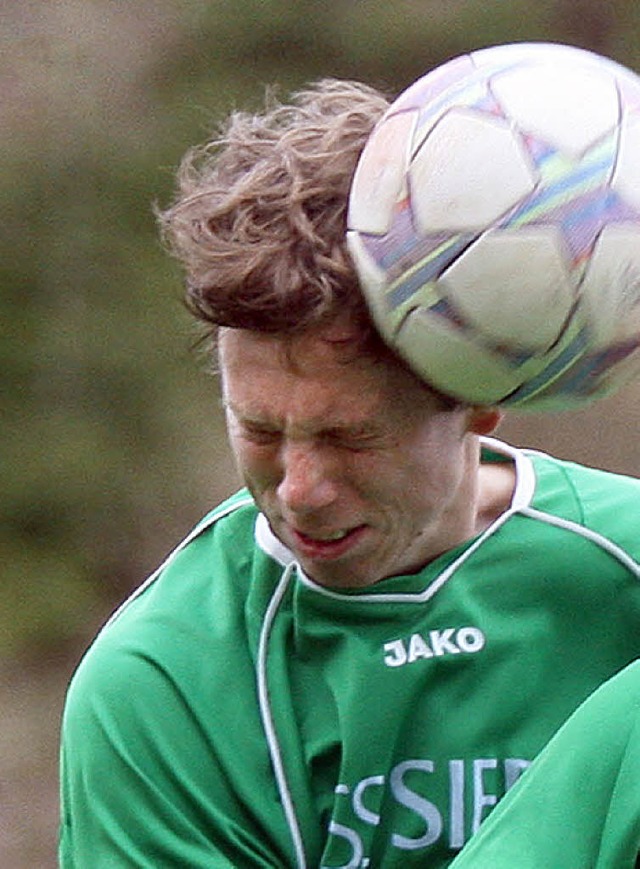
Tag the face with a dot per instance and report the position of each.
(356, 465)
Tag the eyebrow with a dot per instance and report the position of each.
(338, 427)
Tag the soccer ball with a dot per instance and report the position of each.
(494, 223)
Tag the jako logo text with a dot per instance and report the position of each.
(448, 641)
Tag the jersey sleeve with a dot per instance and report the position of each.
(578, 804)
(142, 783)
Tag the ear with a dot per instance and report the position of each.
(483, 420)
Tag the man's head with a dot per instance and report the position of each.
(360, 468)
(259, 219)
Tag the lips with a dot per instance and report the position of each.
(328, 545)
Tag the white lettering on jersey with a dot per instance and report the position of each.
(475, 773)
(358, 799)
(413, 801)
(448, 641)
(456, 803)
(481, 799)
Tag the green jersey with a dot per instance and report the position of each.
(233, 713)
(579, 804)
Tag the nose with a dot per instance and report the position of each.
(307, 483)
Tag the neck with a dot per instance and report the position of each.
(485, 492)
(496, 483)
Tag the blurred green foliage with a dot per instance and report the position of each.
(113, 443)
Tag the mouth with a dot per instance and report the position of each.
(326, 546)
(325, 538)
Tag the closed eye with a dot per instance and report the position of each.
(259, 435)
(355, 441)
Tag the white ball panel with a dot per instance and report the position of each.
(610, 295)
(626, 178)
(451, 362)
(569, 107)
(468, 172)
(465, 99)
(379, 179)
(513, 286)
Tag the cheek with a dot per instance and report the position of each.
(258, 467)
(386, 483)
(250, 460)
(429, 472)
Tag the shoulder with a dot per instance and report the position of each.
(151, 646)
(591, 486)
(218, 553)
(595, 500)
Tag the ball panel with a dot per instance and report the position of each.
(626, 177)
(571, 108)
(533, 302)
(610, 292)
(450, 360)
(468, 172)
(378, 183)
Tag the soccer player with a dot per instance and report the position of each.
(350, 661)
(579, 803)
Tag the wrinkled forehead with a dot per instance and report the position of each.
(328, 361)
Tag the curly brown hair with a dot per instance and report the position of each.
(259, 218)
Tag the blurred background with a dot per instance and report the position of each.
(113, 443)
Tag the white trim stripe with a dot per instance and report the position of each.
(205, 523)
(267, 718)
(594, 536)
